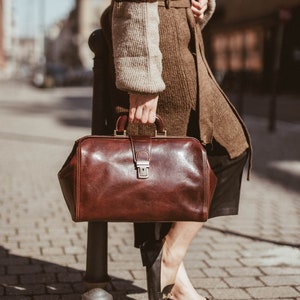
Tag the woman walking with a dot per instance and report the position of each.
(159, 67)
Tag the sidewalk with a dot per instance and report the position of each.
(255, 255)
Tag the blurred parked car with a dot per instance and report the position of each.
(56, 75)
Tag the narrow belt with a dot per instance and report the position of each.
(174, 3)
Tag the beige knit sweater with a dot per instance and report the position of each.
(135, 37)
(166, 56)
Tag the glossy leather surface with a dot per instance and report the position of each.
(100, 179)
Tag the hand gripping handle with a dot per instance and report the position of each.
(122, 123)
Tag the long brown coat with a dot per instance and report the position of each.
(189, 82)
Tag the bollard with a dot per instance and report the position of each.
(97, 294)
(96, 260)
(284, 15)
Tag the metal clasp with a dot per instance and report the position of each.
(142, 169)
(119, 133)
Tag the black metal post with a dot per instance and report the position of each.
(275, 79)
(284, 16)
(242, 79)
(97, 246)
(96, 261)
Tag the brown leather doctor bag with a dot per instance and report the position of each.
(124, 178)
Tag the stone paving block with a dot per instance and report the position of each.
(123, 256)
(226, 246)
(269, 261)
(52, 251)
(223, 263)
(195, 264)
(23, 238)
(14, 260)
(205, 283)
(280, 280)
(8, 231)
(229, 294)
(38, 278)
(74, 250)
(69, 297)
(273, 292)
(124, 274)
(138, 274)
(126, 265)
(280, 270)
(128, 286)
(200, 248)
(59, 288)
(81, 258)
(58, 241)
(195, 272)
(244, 271)
(78, 287)
(201, 255)
(29, 289)
(131, 295)
(215, 272)
(77, 265)
(63, 240)
(54, 231)
(8, 280)
(69, 277)
(15, 298)
(224, 254)
(251, 246)
(243, 282)
(28, 252)
(47, 297)
(24, 269)
(36, 244)
(33, 231)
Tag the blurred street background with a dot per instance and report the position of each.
(45, 104)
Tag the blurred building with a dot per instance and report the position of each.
(68, 55)
(2, 58)
(67, 41)
(62, 47)
(256, 44)
(7, 38)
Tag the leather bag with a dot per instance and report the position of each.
(124, 178)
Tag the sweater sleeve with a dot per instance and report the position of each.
(135, 37)
(211, 6)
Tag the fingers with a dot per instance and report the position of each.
(131, 114)
(143, 108)
(198, 8)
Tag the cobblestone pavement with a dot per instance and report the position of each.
(255, 255)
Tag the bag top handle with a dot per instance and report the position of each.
(122, 123)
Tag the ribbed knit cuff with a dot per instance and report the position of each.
(211, 6)
(137, 57)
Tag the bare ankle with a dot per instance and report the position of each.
(182, 293)
(170, 266)
(172, 256)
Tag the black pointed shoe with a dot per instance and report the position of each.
(151, 256)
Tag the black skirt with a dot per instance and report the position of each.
(227, 193)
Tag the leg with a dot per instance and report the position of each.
(183, 288)
(176, 244)
(163, 258)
